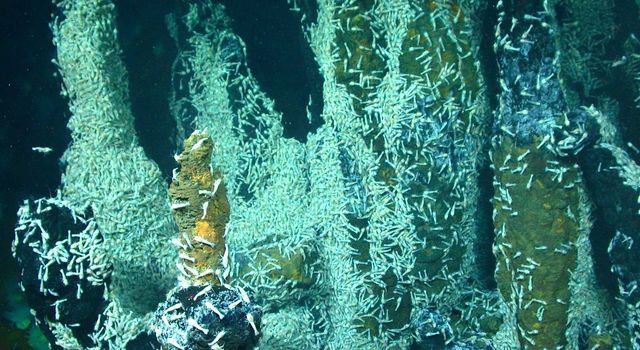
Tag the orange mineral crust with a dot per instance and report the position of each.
(201, 210)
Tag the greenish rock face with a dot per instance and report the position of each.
(368, 235)
(289, 268)
(537, 230)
